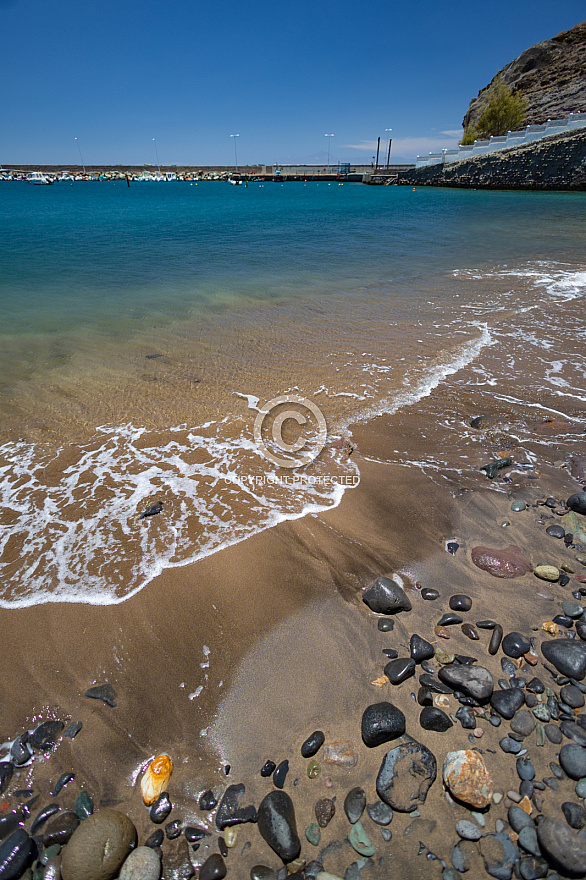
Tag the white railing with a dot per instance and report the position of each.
(512, 139)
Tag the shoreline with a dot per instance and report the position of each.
(308, 661)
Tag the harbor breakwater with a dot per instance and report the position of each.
(553, 163)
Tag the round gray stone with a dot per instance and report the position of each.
(142, 864)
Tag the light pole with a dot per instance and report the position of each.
(157, 154)
(389, 153)
(329, 142)
(80, 156)
(235, 150)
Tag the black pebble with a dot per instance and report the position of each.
(208, 801)
(515, 645)
(424, 697)
(432, 718)
(193, 833)
(429, 594)
(161, 808)
(506, 703)
(390, 653)
(470, 632)
(268, 768)
(222, 846)
(420, 649)
(385, 625)
(563, 579)
(46, 735)
(563, 620)
(466, 717)
(575, 815)
(495, 639)
(155, 839)
(536, 686)
(460, 602)
(61, 782)
(280, 774)
(73, 729)
(555, 531)
(173, 829)
(400, 669)
(42, 817)
(449, 619)
(103, 692)
(452, 547)
(485, 624)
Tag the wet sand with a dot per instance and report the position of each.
(292, 648)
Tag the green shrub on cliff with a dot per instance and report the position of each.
(502, 111)
(470, 135)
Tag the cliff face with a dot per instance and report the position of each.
(551, 76)
(557, 162)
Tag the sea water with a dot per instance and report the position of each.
(144, 326)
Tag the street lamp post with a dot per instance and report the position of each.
(157, 155)
(389, 153)
(235, 150)
(80, 156)
(329, 142)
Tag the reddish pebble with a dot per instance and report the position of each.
(328, 782)
(478, 732)
(442, 631)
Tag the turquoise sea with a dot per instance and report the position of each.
(143, 326)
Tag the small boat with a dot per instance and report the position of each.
(234, 182)
(39, 179)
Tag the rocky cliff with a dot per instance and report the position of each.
(551, 76)
(557, 162)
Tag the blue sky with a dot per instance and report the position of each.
(115, 75)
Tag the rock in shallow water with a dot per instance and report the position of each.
(386, 597)
(98, 847)
(382, 722)
(276, 823)
(406, 775)
(103, 692)
(466, 776)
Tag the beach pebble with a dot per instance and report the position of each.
(568, 657)
(495, 639)
(142, 864)
(572, 609)
(420, 649)
(313, 744)
(103, 692)
(276, 824)
(313, 833)
(381, 722)
(280, 774)
(442, 632)
(385, 625)
(432, 718)
(467, 778)
(156, 838)
(528, 841)
(518, 818)
(46, 735)
(229, 811)
(84, 806)
(518, 506)
(161, 808)
(506, 703)
(325, 810)
(263, 872)
(16, 854)
(461, 856)
(575, 815)
(173, 829)
(577, 502)
(405, 776)
(525, 769)
(400, 669)
(573, 760)
(499, 854)
(429, 594)
(574, 731)
(555, 531)
(460, 602)
(42, 817)
(553, 733)
(99, 846)
(468, 830)
(177, 864)
(380, 813)
(563, 846)
(515, 645)
(340, 753)
(208, 800)
(354, 804)
(572, 696)
(450, 618)
(474, 681)
(386, 597)
(313, 769)
(546, 573)
(508, 563)
(523, 723)
(581, 788)
(360, 840)
(510, 746)
(72, 729)
(267, 769)
(470, 632)
(466, 717)
(214, 868)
